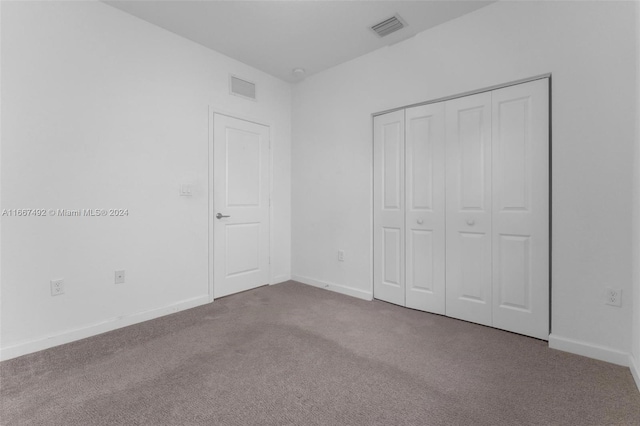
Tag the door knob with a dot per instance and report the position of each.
(471, 222)
(220, 216)
(420, 221)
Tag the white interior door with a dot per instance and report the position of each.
(241, 205)
(468, 228)
(425, 208)
(388, 211)
(521, 208)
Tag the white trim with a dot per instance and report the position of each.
(212, 111)
(602, 353)
(210, 195)
(280, 279)
(465, 94)
(338, 288)
(635, 371)
(271, 221)
(72, 335)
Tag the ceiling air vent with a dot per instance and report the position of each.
(389, 26)
(240, 87)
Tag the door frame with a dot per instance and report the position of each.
(210, 181)
(461, 95)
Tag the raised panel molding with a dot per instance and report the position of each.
(243, 168)
(421, 243)
(472, 156)
(514, 277)
(472, 266)
(391, 166)
(391, 256)
(512, 143)
(243, 248)
(421, 182)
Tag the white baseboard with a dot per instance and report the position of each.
(338, 288)
(30, 346)
(590, 350)
(635, 370)
(280, 279)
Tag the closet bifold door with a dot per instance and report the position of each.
(521, 208)
(425, 208)
(388, 208)
(468, 217)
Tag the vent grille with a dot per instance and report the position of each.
(240, 87)
(389, 26)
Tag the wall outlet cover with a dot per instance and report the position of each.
(613, 297)
(57, 287)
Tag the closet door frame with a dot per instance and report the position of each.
(550, 186)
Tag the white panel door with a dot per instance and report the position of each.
(521, 208)
(241, 205)
(388, 211)
(468, 251)
(425, 208)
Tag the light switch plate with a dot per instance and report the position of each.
(186, 190)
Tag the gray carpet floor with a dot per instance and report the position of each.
(291, 354)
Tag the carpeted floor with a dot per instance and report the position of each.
(291, 354)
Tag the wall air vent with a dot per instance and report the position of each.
(389, 26)
(240, 87)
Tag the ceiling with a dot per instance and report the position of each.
(278, 36)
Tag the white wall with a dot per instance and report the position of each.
(635, 328)
(103, 110)
(589, 48)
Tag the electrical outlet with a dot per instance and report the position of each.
(119, 277)
(57, 287)
(613, 297)
(341, 255)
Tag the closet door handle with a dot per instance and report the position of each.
(471, 222)
(420, 221)
(220, 216)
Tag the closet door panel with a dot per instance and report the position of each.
(388, 216)
(468, 209)
(425, 208)
(521, 208)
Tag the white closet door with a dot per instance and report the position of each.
(425, 208)
(388, 200)
(469, 208)
(521, 209)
